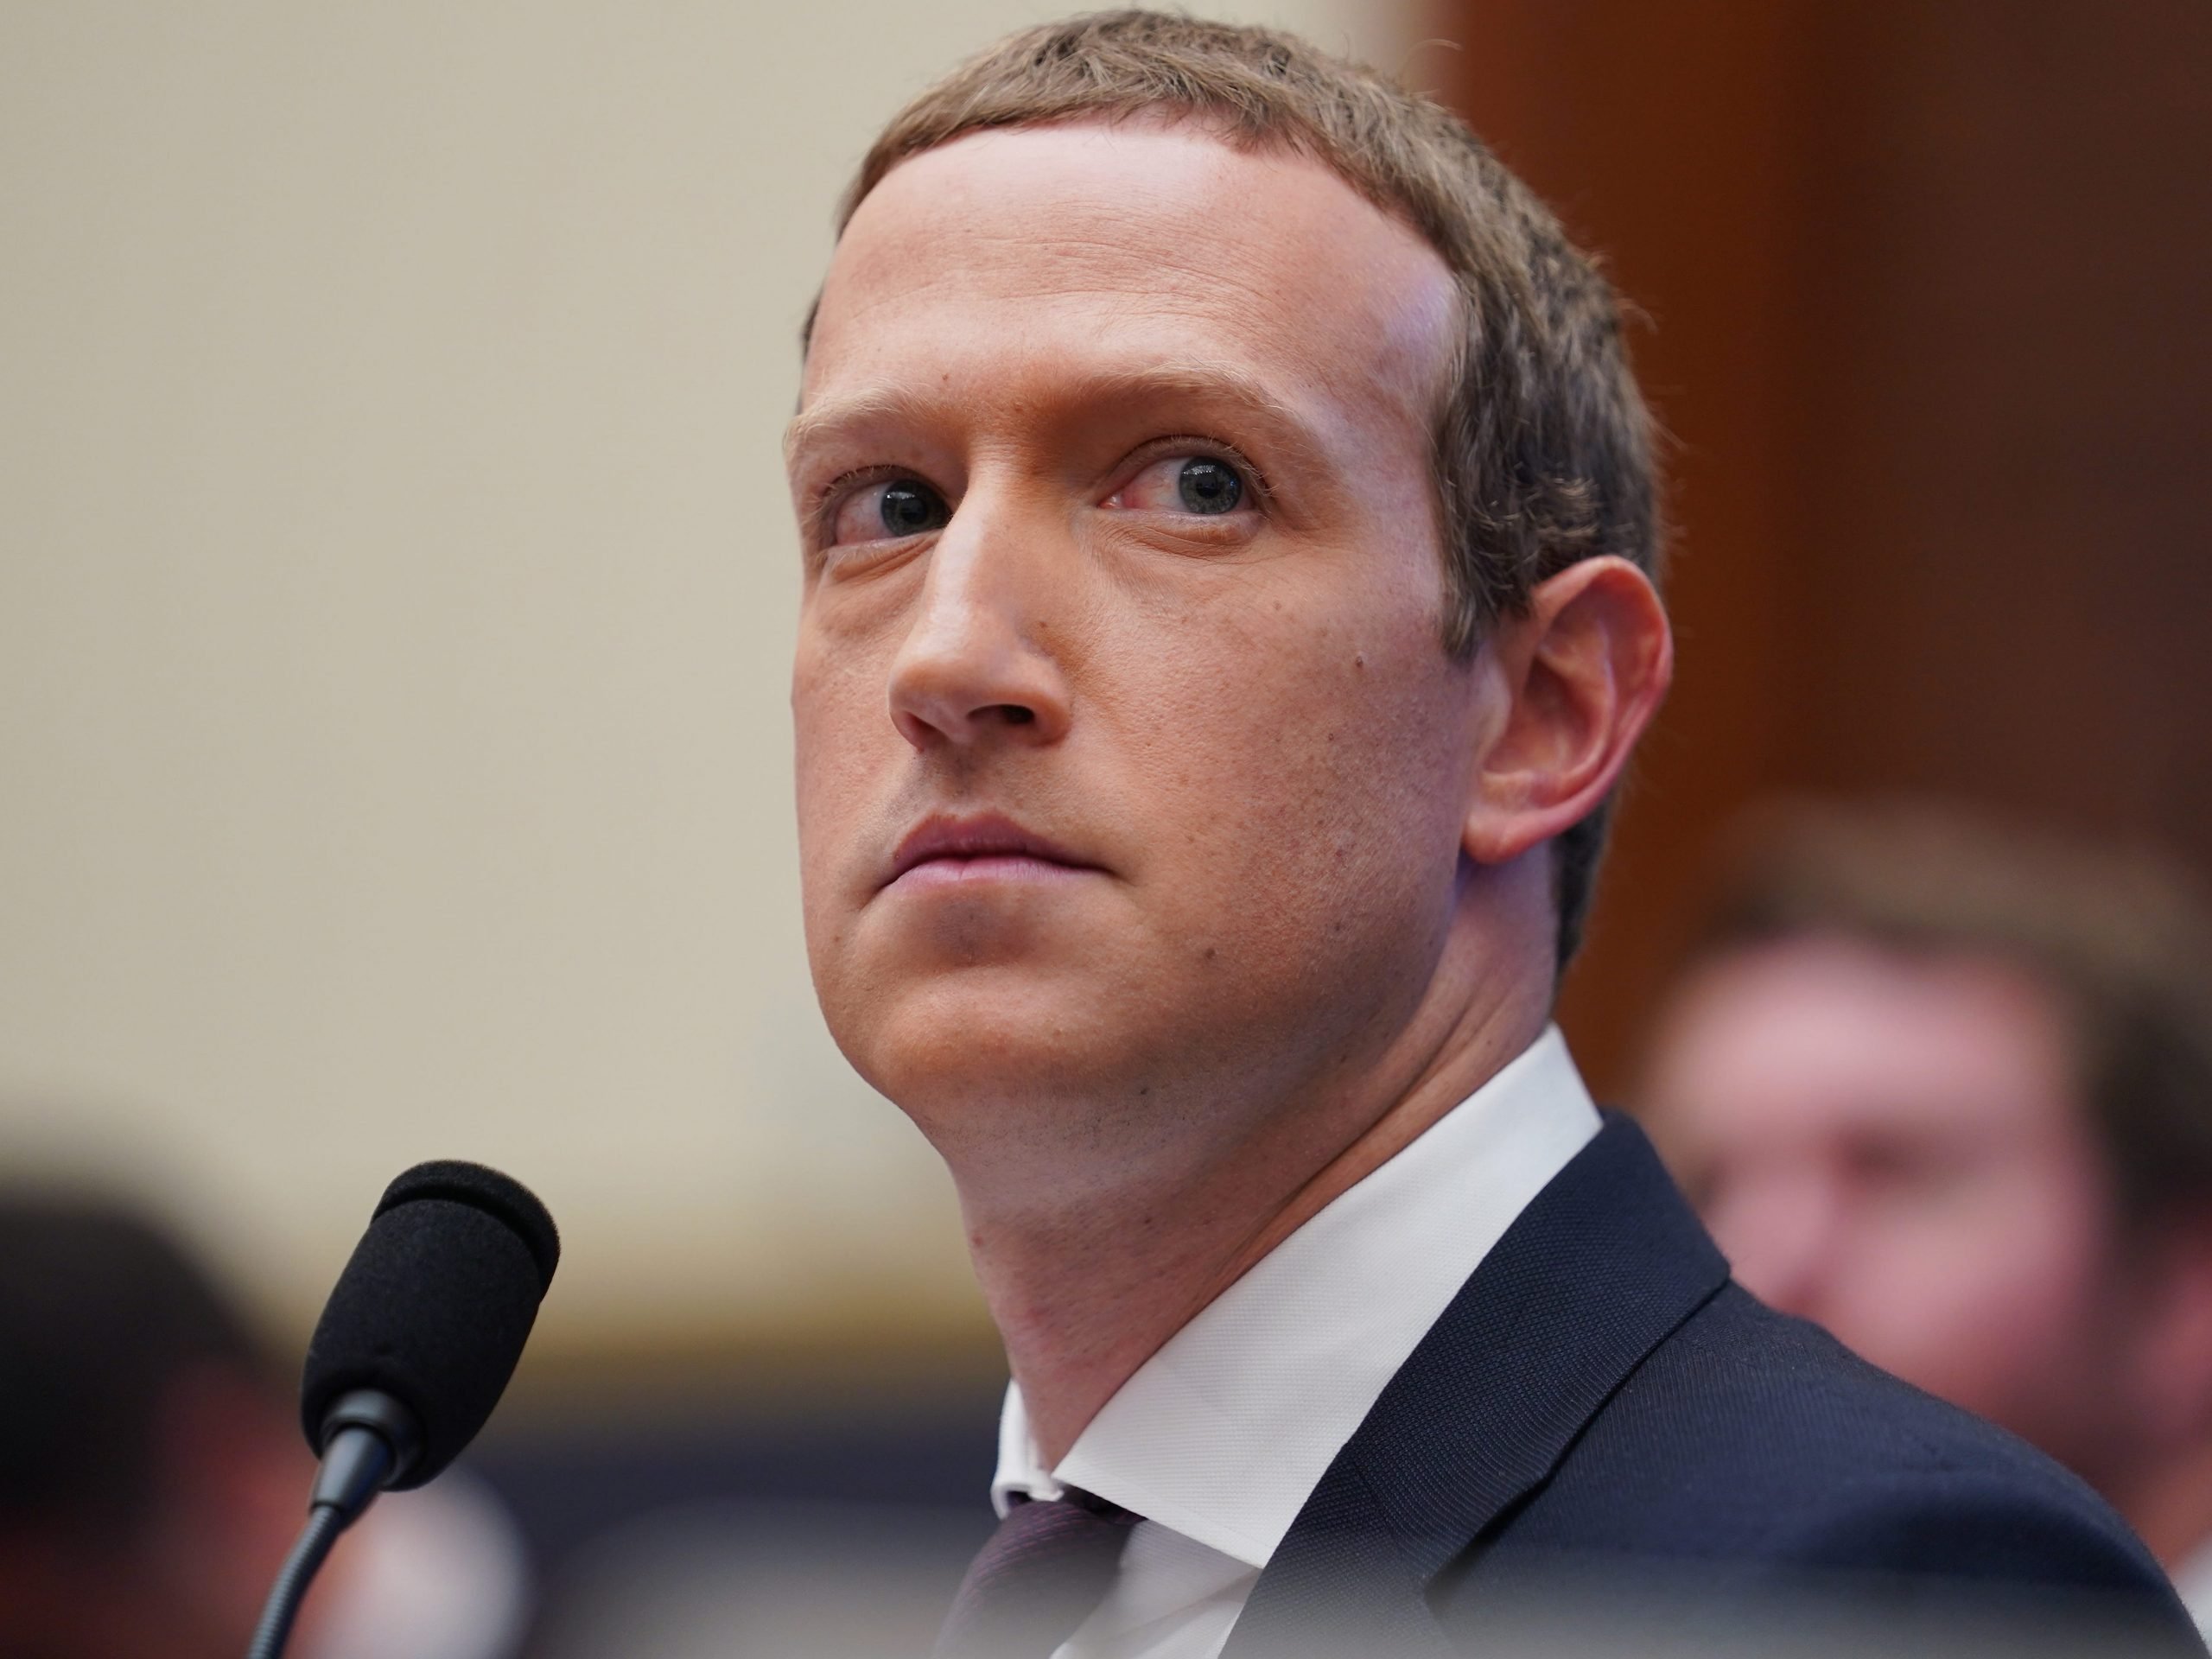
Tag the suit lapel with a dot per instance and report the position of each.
(1605, 1262)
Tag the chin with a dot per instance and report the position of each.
(995, 1046)
(980, 1031)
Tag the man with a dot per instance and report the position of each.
(1228, 529)
(1946, 1088)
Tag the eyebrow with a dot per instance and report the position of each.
(1210, 382)
(811, 426)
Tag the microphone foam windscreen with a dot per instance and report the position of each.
(434, 1305)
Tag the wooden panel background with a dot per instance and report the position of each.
(1930, 303)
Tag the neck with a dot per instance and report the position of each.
(1084, 1293)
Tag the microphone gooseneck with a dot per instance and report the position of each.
(413, 1350)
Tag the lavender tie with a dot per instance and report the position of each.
(1043, 1572)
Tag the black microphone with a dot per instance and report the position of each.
(413, 1350)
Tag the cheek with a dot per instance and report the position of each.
(841, 733)
(1291, 757)
(822, 692)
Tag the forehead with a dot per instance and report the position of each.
(1820, 1036)
(1114, 247)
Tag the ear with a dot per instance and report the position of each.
(1582, 671)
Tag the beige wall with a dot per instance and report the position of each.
(395, 591)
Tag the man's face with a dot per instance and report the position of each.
(1131, 768)
(1891, 1146)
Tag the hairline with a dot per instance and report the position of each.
(1289, 140)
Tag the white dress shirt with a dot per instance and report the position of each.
(2193, 1583)
(1219, 1437)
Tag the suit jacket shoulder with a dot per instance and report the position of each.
(1603, 1429)
(1752, 1465)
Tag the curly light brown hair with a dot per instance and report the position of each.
(1542, 445)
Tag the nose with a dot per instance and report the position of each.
(981, 661)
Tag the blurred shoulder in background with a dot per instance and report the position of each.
(1943, 1086)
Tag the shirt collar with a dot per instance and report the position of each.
(2193, 1584)
(1223, 1432)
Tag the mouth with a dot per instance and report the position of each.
(986, 847)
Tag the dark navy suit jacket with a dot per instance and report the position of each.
(1602, 1426)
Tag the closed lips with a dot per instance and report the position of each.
(967, 839)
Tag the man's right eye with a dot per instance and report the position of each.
(896, 507)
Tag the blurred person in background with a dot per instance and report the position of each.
(1945, 1088)
(153, 1475)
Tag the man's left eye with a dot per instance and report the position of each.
(1204, 485)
